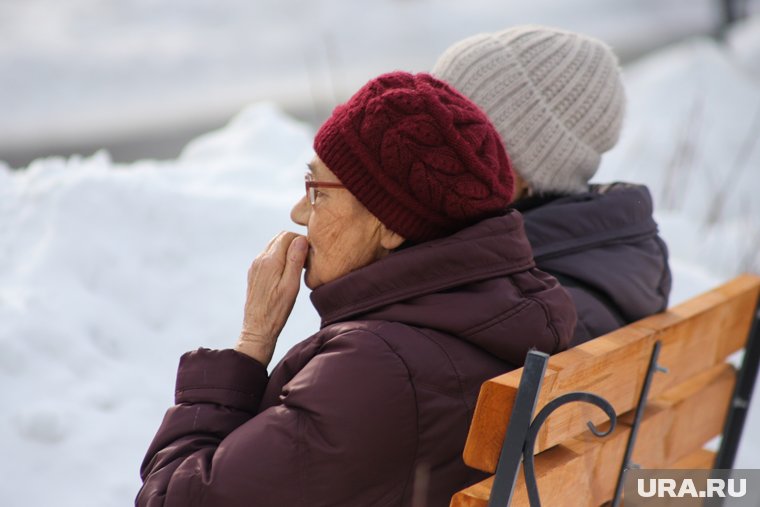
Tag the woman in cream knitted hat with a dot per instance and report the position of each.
(555, 97)
(557, 100)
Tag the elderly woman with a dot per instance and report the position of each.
(557, 99)
(426, 286)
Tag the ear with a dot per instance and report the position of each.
(388, 239)
(522, 187)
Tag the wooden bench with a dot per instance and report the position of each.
(698, 398)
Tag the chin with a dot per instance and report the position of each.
(308, 280)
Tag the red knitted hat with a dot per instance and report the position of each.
(419, 155)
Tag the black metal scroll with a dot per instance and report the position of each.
(520, 439)
(530, 441)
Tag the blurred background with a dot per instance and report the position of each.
(142, 77)
(149, 149)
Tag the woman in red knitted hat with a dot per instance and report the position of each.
(426, 286)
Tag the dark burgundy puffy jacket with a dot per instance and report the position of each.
(374, 409)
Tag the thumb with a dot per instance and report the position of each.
(295, 259)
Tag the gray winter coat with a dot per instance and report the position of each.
(604, 248)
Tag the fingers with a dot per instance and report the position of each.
(275, 251)
(279, 245)
(273, 284)
(277, 241)
(281, 263)
(295, 259)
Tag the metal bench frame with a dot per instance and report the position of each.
(522, 429)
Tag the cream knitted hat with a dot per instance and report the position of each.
(556, 98)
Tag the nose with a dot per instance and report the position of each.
(300, 212)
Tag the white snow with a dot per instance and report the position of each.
(692, 134)
(109, 272)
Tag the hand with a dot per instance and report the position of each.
(274, 279)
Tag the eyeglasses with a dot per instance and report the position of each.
(312, 186)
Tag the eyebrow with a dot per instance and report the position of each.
(310, 167)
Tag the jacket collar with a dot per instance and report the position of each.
(491, 248)
(604, 215)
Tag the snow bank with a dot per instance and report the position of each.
(110, 272)
(692, 134)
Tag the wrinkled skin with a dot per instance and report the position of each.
(342, 236)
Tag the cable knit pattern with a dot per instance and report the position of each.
(420, 156)
(556, 98)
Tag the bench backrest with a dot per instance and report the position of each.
(686, 407)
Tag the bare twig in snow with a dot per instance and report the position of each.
(682, 162)
(733, 175)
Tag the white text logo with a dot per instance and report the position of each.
(662, 488)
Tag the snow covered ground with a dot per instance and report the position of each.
(109, 272)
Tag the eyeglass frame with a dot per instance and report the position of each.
(312, 185)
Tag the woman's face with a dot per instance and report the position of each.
(343, 235)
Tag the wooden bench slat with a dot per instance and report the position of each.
(694, 425)
(614, 366)
(583, 470)
(497, 395)
(476, 495)
(701, 459)
(661, 440)
(554, 470)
